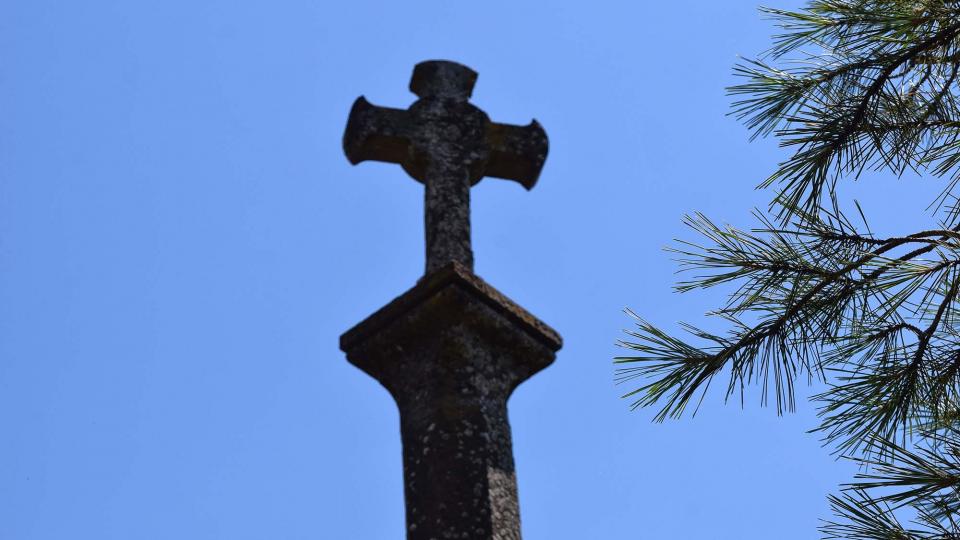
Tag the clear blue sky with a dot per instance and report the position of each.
(182, 242)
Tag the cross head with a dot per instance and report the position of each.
(448, 144)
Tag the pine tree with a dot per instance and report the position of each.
(848, 86)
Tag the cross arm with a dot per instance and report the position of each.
(516, 152)
(376, 133)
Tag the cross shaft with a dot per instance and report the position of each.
(451, 351)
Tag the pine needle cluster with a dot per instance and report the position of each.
(848, 86)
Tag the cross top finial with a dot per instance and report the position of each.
(443, 79)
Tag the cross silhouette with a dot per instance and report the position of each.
(452, 349)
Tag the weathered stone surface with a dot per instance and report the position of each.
(450, 351)
(448, 144)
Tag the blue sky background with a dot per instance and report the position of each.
(182, 241)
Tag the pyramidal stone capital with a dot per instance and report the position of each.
(450, 351)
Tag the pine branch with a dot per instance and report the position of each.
(848, 85)
(841, 107)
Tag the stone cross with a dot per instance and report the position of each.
(452, 349)
(448, 144)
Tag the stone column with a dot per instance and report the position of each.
(451, 351)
